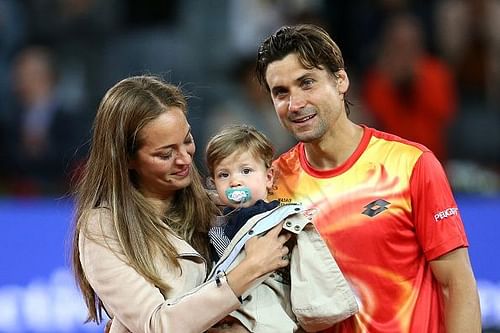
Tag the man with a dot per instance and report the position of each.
(44, 139)
(384, 204)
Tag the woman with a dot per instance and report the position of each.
(140, 248)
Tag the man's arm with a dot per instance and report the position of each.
(454, 273)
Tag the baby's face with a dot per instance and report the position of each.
(242, 170)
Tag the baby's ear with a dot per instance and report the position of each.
(270, 178)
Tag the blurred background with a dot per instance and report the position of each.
(426, 70)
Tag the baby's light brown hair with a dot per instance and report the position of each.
(238, 138)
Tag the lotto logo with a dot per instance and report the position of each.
(375, 207)
(445, 213)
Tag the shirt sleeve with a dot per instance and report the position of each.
(437, 219)
(138, 304)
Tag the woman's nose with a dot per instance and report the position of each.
(184, 157)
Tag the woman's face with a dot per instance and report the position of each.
(163, 161)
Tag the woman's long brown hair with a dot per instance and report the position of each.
(107, 182)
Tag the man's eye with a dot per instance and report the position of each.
(280, 94)
(307, 83)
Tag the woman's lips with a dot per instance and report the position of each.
(182, 173)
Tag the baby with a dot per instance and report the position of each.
(239, 161)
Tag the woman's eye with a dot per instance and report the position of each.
(166, 156)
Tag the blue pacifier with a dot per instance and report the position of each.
(238, 194)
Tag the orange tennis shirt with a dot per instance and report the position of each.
(385, 213)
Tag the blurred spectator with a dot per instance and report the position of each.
(247, 103)
(467, 37)
(410, 92)
(43, 134)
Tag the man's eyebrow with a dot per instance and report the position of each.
(302, 77)
(305, 75)
(279, 88)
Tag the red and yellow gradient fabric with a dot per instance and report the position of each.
(384, 214)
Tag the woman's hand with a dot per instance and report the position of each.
(268, 251)
(264, 254)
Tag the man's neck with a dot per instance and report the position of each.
(335, 147)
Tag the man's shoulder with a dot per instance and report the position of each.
(288, 158)
(396, 141)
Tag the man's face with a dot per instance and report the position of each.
(308, 102)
